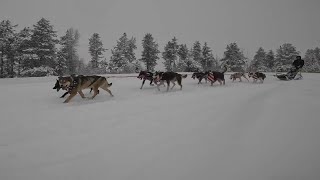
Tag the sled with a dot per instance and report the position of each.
(282, 77)
(286, 77)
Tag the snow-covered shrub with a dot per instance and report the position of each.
(38, 72)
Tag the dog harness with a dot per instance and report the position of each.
(74, 84)
(211, 77)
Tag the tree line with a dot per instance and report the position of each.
(38, 51)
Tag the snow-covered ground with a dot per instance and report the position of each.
(241, 131)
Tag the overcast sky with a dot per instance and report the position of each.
(250, 23)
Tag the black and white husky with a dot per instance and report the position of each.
(169, 77)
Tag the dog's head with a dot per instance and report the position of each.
(198, 75)
(57, 86)
(142, 74)
(262, 76)
(65, 82)
(194, 75)
(250, 74)
(232, 76)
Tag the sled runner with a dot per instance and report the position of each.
(293, 74)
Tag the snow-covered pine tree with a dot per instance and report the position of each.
(130, 48)
(206, 57)
(259, 61)
(317, 54)
(69, 43)
(197, 54)
(213, 63)
(11, 53)
(183, 52)
(61, 66)
(193, 66)
(170, 55)
(43, 42)
(150, 52)
(103, 66)
(234, 58)
(24, 52)
(270, 61)
(96, 50)
(7, 48)
(285, 55)
(82, 67)
(118, 59)
(123, 58)
(311, 61)
(186, 62)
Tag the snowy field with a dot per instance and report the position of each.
(241, 131)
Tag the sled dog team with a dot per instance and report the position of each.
(75, 84)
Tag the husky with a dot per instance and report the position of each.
(214, 76)
(200, 76)
(145, 75)
(58, 87)
(238, 75)
(169, 77)
(76, 84)
(257, 76)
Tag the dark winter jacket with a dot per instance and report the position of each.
(298, 63)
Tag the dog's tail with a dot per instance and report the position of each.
(106, 81)
(225, 69)
(184, 75)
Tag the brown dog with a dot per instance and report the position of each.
(238, 75)
(75, 85)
